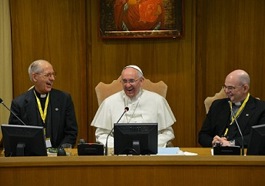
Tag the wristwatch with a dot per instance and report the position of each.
(232, 142)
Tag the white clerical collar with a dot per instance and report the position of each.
(43, 95)
(39, 95)
(238, 103)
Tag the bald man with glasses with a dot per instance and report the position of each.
(219, 126)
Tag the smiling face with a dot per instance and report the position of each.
(43, 77)
(236, 86)
(131, 81)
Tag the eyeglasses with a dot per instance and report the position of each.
(130, 81)
(231, 88)
(49, 75)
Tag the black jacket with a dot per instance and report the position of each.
(61, 120)
(218, 118)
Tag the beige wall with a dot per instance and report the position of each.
(6, 61)
(220, 35)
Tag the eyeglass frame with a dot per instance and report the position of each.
(231, 88)
(130, 81)
(48, 75)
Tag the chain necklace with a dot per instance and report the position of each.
(132, 104)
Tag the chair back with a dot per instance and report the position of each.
(104, 90)
(209, 100)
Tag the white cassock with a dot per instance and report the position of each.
(146, 107)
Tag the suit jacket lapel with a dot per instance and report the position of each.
(55, 113)
(30, 106)
(246, 114)
(225, 118)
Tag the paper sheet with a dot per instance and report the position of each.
(173, 151)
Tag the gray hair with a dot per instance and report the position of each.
(35, 67)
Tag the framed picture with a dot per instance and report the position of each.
(141, 18)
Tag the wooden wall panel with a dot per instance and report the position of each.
(219, 36)
(66, 33)
(230, 35)
(55, 31)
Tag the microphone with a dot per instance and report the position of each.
(126, 109)
(233, 116)
(2, 102)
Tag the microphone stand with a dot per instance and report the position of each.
(106, 145)
(2, 102)
(233, 116)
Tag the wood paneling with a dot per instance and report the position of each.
(134, 170)
(219, 36)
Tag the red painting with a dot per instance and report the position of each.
(141, 18)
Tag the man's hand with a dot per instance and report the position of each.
(220, 140)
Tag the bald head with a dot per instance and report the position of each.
(236, 85)
(239, 76)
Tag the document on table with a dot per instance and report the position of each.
(173, 151)
(168, 150)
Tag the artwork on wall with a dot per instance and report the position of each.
(141, 18)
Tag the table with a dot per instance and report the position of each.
(203, 169)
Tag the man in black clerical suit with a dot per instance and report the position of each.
(219, 126)
(44, 106)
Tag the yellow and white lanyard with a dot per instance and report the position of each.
(237, 113)
(43, 113)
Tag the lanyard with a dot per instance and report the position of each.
(237, 113)
(43, 113)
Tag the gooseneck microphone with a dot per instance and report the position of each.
(2, 102)
(126, 109)
(233, 116)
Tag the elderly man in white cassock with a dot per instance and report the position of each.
(144, 107)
